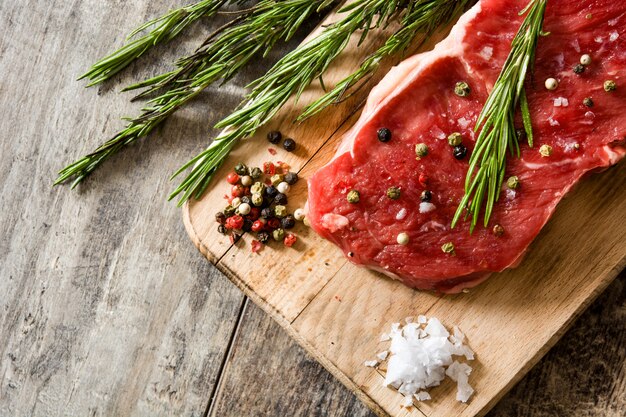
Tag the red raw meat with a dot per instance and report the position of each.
(416, 101)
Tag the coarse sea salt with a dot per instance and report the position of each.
(421, 355)
(401, 214)
(613, 36)
(426, 207)
(561, 101)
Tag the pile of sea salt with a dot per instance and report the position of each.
(421, 356)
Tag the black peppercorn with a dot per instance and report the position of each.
(291, 178)
(267, 213)
(246, 199)
(288, 222)
(459, 151)
(384, 134)
(263, 237)
(426, 196)
(274, 136)
(271, 191)
(241, 169)
(221, 229)
(521, 135)
(247, 225)
(234, 237)
(280, 199)
(579, 69)
(220, 217)
(289, 145)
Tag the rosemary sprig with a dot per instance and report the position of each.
(269, 22)
(162, 29)
(422, 17)
(496, 122)
(289, 76)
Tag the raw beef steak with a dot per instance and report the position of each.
(416, 101)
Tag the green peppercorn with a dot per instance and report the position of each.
(256, 173)
(257, 188)
(588, 102)
(229, 210)
(513, 182)
(278, 234)
(241, 169)
(455, 139)
(257, 199)
(545, 150)
(498, 230)
(421, 150)
(353, 197)
(393, 193)
(462, 89)
(448, 248)
(609, 85)
(276, 179)
(280, 211)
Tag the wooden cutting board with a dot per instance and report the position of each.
(337, 311)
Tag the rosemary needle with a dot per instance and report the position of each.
(496, 121)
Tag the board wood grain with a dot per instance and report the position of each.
(337, 310)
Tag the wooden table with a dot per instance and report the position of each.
(106, 308)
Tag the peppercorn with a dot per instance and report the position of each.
(274, 136)
(421, 150)
(455, 139)
(246, 199)
(236, 202)
(257, 188)
(255, 212)
(257, 199)
(232, 178)
(256, 173)
(290, 240)
(276, 179)
(498, 230)
(273, 223)
(221, 229)
(393, 193)
(263, 237)
(234, 222)
(291, 178)
(551, 84)
(288, 222)
(521, 135)
(280, 211)
(579, 69)
(283, 187)
(353, 197)
(609, 85)
(289, 145)
(257, 226)
(448, 248)
(237, 190)
(271, 191)
(402, 239)
(220, 217)
(462, 89)
(247, 225)
(281, 199)
(588, 102)
(545, 150)
(267, 213)
(241, 169)
(278, 234)
(459, 151)
(426, 196)
(234, 238)
(513, 182)
(229, 210)
(244, 209)
(384, 134)
(246, 180)
(585, 59)
(299, 214)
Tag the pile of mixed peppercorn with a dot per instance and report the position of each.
(258, 204)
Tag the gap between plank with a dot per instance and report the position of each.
(215, 392)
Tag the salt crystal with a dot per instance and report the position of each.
(384, 337)
(401, 214)
(370, 364)
(407, 402)
(438, 133)
(487, 52)
(613, 22)
(382, 355)
(561, 101)
(422, 319)
(422, 396)
(553, 122)
(613, 36)
(464, 123)
(427, 207)
(510, 194)
(598, 39)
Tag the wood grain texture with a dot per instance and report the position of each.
(106, 309)
(335, 310)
